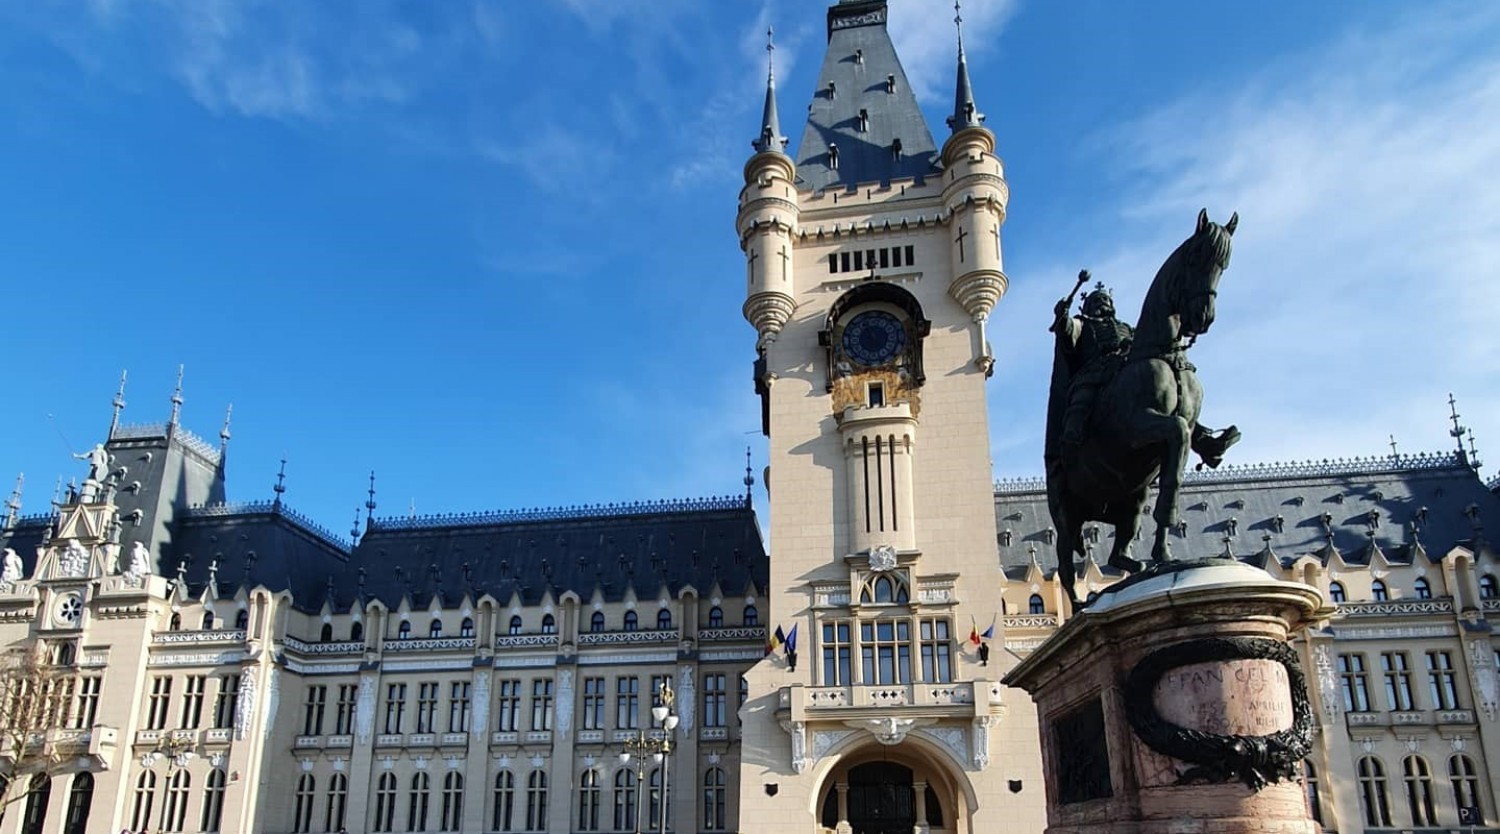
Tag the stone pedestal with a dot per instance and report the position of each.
(1173, 704)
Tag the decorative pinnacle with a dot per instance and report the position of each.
(770, 125)
(965, 111)
(13, 504)
(224, 432)
(1457, 432)
(119, 405)
(354, 529)
(280, 486)
(749, 476)
(1394, 453)
(370, 504)
(958, 23)
(177, 399)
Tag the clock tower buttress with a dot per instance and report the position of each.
(873, 261)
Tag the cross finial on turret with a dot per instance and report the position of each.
(224, 432)
(965, 111)
(176, 401)
(1394, 453)
(118, 405)
(958, 23)
(770, 125)
(280, 486)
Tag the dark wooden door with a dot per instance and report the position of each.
(880, 799)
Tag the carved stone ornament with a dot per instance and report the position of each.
(882, 558)
(11, 572)
(245, 709)
(565, 701)
(1328, 683)
(686, 698)
(889, 731)
(1256, 760)
(798, 732)
(74, 561)
(364, 708)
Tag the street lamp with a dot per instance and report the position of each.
(667, 717)
(643, 745)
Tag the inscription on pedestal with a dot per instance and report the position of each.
(1231, 697)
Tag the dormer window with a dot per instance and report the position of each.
(864, 120)
(890, 83)
(833, 156)
(833, 91)
(896, 149)
(466, 628)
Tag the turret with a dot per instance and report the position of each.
(767, 217)
(975, 196)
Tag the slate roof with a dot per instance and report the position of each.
(859, 60)
(1441, 494)
(263, 543)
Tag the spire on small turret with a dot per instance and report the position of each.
(13, 504)
(749, 476)
(770, 126)
(1458, 430)
(119, 405)
(176, 403)
(965, 111)
(224, 432)
(354, 528)
(280, 487)
(370, 504)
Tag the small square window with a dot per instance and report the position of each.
(876, 394)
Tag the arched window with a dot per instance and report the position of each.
(1418, 778)
(177, 801)
(505, 801)
(466, 628)
(213, 802)
(588, 801)
(1489, 588)
(1336, 592)
(664, 619)
(208, 621)
(752, 616)
(536, 801)
(385, 802)
(175, 624)
(1377, 806)
(654, 799)
(1035, 605)
(596, 622)
(1422, 588)
(338, 801)
(145, 794)
(624, 799)
(80, 798)
(421, 795)
(357, 631)
(453, 802)
(37, 795)
(885, 589)
(302, 807)
(1310, 787)
(515, 624)
(403, 632)
(241, 621)
(435, 629)
(549, 624)
(326, 635)
(1379, 592)
(716, 617)
(713, 800)
(632, 623)
(1464, 778)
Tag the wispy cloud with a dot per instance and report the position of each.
(1360, 289)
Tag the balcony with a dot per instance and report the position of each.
(431, 644)
(714, 733)
(1455, 716)
(389, 740)
(454, 739)
(1022, 622)
(341, 647)
(307, 742)
(756, 634)
(1396, 608)
(339, 741)
(421, 740)
(218, 735)
(505, 738)
(525, 641)
(1367, 719)
(939, 698)
(620, 638)
(213, 635)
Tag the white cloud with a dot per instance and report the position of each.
(928, 42)
(1362, 287)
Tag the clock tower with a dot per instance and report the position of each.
(873, 260)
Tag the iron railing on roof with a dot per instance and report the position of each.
(135, 430)
(239, 508)
(1327, 467)
(636, 508)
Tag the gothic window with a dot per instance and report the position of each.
(404, 632)
(664, 620)
(177, 801)
(1464, 778)
(596, 622)
(385, 803)
(1036, 605)
(459, 694)
(716, 617)
(1336, 592)
(752, 616)
(37, 796)
(588, 801)
(1378, 591)
(145, 793)
(885, 589)
(242, 619)
(536, 801)
(835, 647)
(1441, 680)
(302, 806)
(357, 631)
(1373, 798)
(435, 629)
(1418, 778)
(466, 628)
(1355, 682)
(421, 796)
(624, 799)
(549, 624)
(714, 700)
(80, 798)
(1310, 787)
(654, 800)
(515, 624)
(632, 622)
(1397, 671)
(505, 802)
(1422, 588)
(541, 705)
(453, 802)
(713, 800)
(1489, 588)
(175, 624)
(327, 634)
(213, 802)
(338, 800)
(208, 621)
(627, 702)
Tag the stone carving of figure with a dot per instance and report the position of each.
(799, 746)
(75, 559)
(98, 470)
(139, 566)
(12, 570)
(245, 710)
(565, 701)
(685, 698)
(364, 710)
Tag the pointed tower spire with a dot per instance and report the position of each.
(13, 504)
(176, 403)
(1458, 430)
(749, 477)
(354, 528)
(119, 405)
(965, 112)
(370, 504)
(280, 487)
(224, 432)
(770, 126)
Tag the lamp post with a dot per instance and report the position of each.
(178, 751)
(667, 716)
(659, 749)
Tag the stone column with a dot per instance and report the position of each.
(843, 824)
(1174, 704)
(919, 796)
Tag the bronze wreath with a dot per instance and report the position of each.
(1255, 760)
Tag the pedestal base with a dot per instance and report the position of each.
(1173, 704)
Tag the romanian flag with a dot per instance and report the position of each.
(777, 640)
(791, 639)
(974, 634)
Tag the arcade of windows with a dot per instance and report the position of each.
(860, 260)
(885, 642)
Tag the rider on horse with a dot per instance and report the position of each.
(1094, 344)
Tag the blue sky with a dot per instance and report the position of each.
(486, 248)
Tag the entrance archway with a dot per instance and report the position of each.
(870, 788)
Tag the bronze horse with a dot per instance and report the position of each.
(1144, 419)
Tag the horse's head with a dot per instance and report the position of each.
(1203, 258)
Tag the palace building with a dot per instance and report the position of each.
(236, 667)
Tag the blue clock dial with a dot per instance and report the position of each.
(873, 337)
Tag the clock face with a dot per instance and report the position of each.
(873, 337)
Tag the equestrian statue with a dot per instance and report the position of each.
(1123, 407)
